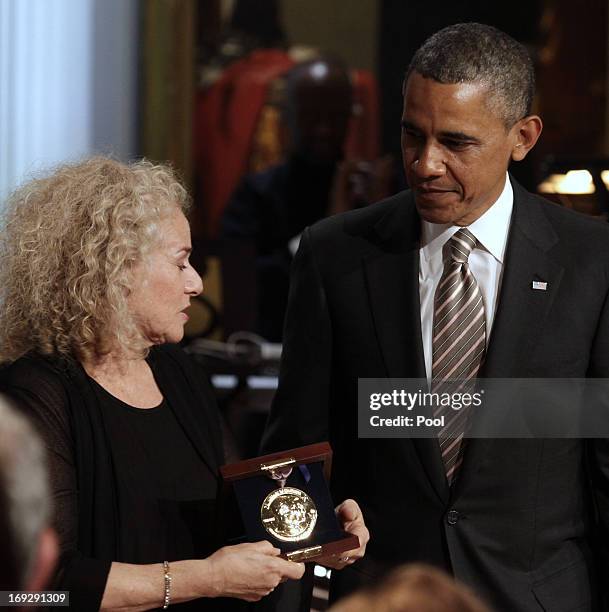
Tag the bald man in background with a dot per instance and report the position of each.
(270, 209)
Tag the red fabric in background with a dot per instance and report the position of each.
(224, 123)
(363, 138)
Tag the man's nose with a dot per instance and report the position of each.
(429, 163)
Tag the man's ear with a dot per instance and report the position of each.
(525, 132)
(44, 562)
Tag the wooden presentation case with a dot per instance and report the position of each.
(247, 483)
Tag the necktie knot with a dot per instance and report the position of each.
(460, 246)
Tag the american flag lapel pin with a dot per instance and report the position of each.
(540, 285)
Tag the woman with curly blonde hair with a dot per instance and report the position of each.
(95, 280)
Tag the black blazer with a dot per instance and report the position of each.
(526, 523)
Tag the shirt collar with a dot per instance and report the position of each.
(491, 229)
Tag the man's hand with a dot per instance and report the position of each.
(352, 520)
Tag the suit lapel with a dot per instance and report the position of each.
(521, 309)
(392, 281)
(392, 277)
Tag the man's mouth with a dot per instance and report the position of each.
(425, 190)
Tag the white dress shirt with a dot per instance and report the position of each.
(485, 262)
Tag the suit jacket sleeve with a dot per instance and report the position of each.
(299, 414)
(599, 452)
(241, 218)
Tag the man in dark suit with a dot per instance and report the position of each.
(270, 209)
(522, 521)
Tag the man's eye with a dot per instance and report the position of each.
(412, 139)
(456, 145)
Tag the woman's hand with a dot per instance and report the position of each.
(250, 571)
(352, 520)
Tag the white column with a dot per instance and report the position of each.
(67, 83)
(44, 83)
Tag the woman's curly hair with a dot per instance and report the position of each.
(67, 247)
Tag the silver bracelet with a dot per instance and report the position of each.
(167, 575)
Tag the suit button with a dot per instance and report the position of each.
(452, 517)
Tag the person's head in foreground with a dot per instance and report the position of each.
(29, 545)
(413, 588)
(468, 94)
(95, 261)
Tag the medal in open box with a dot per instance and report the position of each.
(284, 498)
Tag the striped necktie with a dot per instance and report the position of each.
(459, 342)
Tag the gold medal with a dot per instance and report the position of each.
(288, 514)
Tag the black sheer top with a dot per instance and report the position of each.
(131, 485)
(181, 485)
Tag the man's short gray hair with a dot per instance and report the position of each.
(477, 53)
(24, 491)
